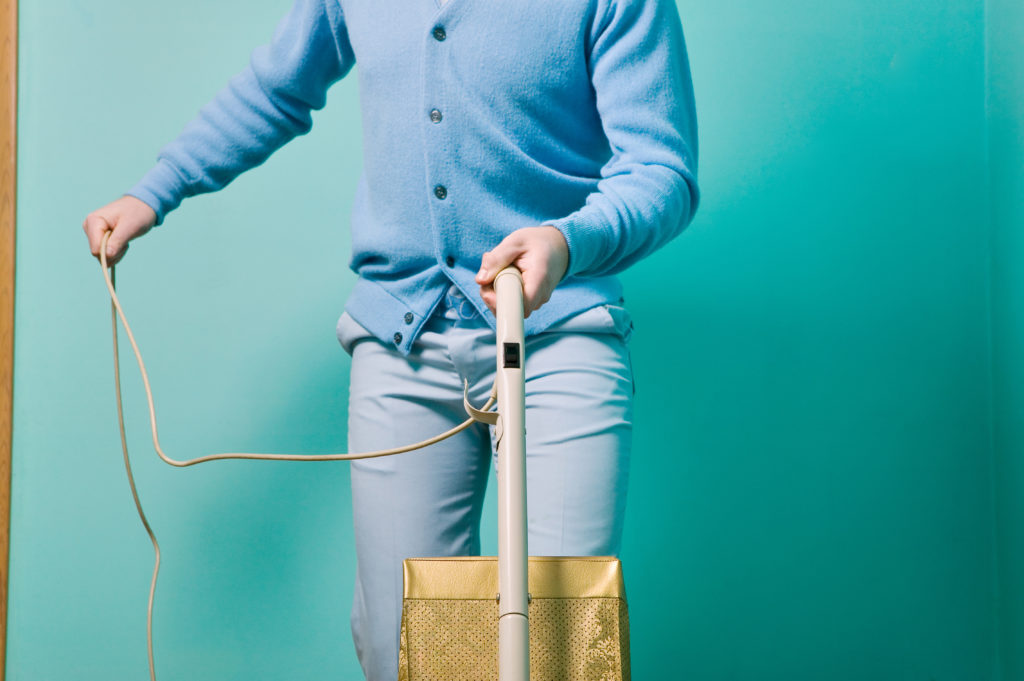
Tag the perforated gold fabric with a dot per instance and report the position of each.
(579, 623)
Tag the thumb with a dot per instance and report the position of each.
(503, 255)
(116, 241)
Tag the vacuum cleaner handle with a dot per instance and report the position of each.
(513, 599)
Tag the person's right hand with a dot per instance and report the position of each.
(128, 217)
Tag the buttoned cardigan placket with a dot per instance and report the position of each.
(437, 146)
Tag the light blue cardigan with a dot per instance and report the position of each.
(478, 118)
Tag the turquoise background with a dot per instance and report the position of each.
(1006, 153)
(827, 478)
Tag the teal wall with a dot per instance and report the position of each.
(814, 400)
(1006, 149)
(812, 493)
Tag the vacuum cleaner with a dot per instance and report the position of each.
(514, 617)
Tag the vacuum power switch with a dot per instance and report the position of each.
(512, 356)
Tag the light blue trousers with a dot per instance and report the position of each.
(579, 393)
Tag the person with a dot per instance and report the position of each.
(559, 137)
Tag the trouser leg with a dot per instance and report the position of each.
(422, 503)
(579, 391)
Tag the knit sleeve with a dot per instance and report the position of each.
(648, 192)
(260, 109)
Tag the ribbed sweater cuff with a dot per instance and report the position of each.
(584, 238)
(162, 189)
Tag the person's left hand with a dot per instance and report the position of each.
(540, 253)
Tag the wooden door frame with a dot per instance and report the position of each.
(8, 196)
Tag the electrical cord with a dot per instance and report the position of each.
(117, 311)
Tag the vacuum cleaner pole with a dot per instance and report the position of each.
(513, 599)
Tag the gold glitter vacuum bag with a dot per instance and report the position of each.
(557, 618)
(579, 625)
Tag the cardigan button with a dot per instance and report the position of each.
(435, 116)
(450, 261)
(440, 192)
(408, 317)
(398, 338)
(439, 33)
